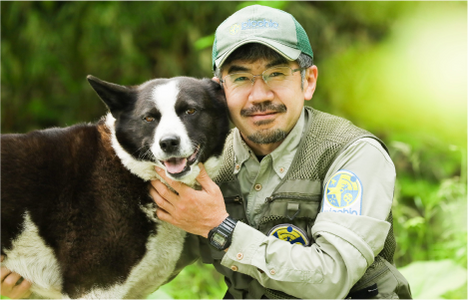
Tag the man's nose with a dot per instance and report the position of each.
(260, 90)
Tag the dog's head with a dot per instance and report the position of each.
(171, 123)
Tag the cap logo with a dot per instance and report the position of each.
(251, 24)
(234, 29)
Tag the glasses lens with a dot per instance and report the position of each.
(238, 80)
(277, 76)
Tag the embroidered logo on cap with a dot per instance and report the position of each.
(252, 24)
(290, 233)
(234, 29)
(343, 193)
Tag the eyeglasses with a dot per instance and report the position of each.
(274, 77)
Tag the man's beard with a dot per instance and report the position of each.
(268, 136)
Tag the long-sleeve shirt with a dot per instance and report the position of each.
(345, 244)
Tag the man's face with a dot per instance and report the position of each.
(263, 114)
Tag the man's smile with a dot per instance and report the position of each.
(264, 112)
(263, 117)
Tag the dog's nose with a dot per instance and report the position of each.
(170, 143)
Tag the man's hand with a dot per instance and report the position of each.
(9, 287)
(194, 211)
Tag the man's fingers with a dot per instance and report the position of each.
(164, 216)
(4, 272)
(22, 290)
(204, 180)
(25, 284)
(175, 185)
(203, 176)
(12, 279)
(164, 191)
(159, 200)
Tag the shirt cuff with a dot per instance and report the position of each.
(245, 242)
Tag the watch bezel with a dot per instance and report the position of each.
(224, 232)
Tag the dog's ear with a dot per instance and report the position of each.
(216, 90)
(115, 96)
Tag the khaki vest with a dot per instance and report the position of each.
(297, 200)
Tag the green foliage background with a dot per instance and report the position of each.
(398, 69)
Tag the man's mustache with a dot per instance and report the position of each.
(262, 107)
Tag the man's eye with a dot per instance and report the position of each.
(276, 74)
(149, 119)
(240, 78)
(190, 111)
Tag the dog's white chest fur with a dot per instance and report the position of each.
(32, 258)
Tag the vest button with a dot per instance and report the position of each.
(258, 186)
(234, 268)
(240, 256)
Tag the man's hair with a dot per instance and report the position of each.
(252, 52)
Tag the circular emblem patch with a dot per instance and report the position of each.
(343, 193)
(290, 233)
(234, 29)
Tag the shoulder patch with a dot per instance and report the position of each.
(343, 193)
(290, 233)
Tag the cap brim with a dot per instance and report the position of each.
(286, 51)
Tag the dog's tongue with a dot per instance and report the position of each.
(175, 165)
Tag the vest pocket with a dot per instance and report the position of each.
(295, 209)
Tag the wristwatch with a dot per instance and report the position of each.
(220, 237)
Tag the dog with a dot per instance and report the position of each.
(77, 219)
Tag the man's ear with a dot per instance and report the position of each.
(115, 96)
(310, 82)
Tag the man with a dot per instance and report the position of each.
(302, 204)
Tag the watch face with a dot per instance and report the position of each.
(219, 239)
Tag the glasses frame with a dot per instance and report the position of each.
(262, 75)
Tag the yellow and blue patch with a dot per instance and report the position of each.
(290, 233)
(343, 193)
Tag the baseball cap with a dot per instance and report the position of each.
(271, 27)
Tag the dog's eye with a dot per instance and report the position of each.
(149, 119)
(190, 111)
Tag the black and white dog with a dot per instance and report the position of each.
(76, 216)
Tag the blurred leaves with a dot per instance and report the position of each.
(440, 278)
(198, 280)
(414, 81)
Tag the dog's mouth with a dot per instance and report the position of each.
(177, 166)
